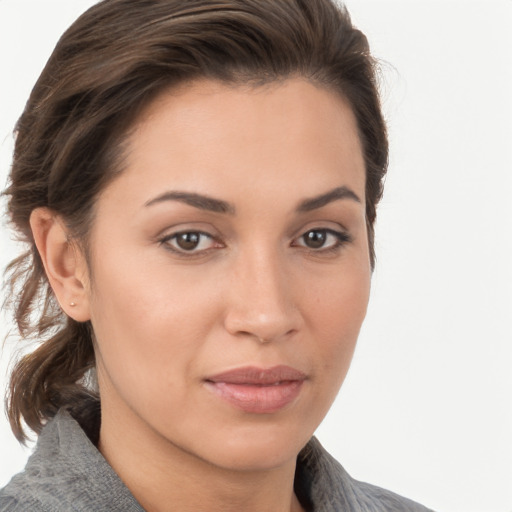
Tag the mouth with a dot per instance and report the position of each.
(258, 390)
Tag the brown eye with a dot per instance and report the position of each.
(193, 242)
(323, 240)
(188, 241)
(315, 239)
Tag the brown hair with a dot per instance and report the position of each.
(109, 65)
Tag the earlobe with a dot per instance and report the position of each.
(65, 266)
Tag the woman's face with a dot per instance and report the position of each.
(230, 271)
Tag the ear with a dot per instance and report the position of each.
(64, 264)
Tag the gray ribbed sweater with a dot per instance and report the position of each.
(67, 473)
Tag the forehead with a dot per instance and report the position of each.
(205, 135)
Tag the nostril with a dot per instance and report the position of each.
(267, 338)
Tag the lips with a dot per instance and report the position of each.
(258, 390)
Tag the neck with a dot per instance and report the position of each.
(162, 476)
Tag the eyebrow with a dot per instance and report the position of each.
(196, 200)
(219, 206)
(322, 200)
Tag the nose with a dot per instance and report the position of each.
(261, 301)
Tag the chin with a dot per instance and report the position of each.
(253, 449)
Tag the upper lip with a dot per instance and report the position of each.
(262, 376)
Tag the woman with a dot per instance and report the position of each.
(197, 183)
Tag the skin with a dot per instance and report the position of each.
(251, 293)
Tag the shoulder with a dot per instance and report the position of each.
(66, 473)
(369, 496)
(34, 488)
(26, 491)
(330, 488)
(19, 503)
(48, 481)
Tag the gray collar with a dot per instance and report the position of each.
(67, 473)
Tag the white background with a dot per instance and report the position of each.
(427, 407)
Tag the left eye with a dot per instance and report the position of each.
(189, 241)
(322, 239)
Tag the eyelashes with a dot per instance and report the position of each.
(194, 243)
(322, 239)
(189, 241)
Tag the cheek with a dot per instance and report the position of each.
(145, 318)
(348, 304)
(140, 292)
(336, 310)
(339, 299)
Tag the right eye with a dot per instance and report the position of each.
(323, 239)
(191, 242)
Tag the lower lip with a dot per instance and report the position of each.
(260, 399)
